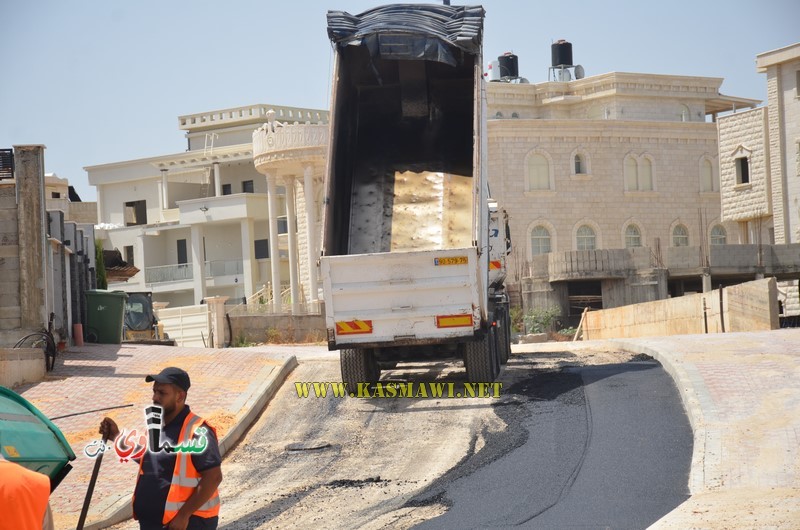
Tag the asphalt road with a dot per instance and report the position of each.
(605, 446)
(574, 441)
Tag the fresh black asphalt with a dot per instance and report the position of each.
(586, 447)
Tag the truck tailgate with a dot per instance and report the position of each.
(393, 298)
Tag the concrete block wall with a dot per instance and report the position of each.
(21, 365)
(297, 328)
(10, 320)
(9, 258)
(683, 257)
(752, 306)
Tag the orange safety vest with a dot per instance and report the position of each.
(23, 497)
(185, 477)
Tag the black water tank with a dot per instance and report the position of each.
(508, 65)
(561, 53)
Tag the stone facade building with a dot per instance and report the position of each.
(611, 184)
(760, 165)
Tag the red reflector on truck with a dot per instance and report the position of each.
(453, 321)
(354, 327)
(494, 265)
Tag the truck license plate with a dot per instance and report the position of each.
(455, 260)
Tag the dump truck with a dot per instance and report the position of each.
(413, 249)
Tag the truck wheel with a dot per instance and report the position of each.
(359, 366)
(480, 360)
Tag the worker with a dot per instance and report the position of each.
(24, 496)
(175, 488)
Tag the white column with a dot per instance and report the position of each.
(248, 258)
(274, 253)
(198, 264)
(216, 322)
(139, 255)
(311, 224)
(291, 222)
(101, 215)
(217, 182)
(164, 189)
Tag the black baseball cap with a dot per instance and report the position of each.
(172, 375)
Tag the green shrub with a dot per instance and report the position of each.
(274, 336)
(242, 342)
(569, 332)
(540, 320)
(516, 319)
(100, 266)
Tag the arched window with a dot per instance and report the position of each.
(680, 236)
(498, 115)
(707, 182)
(538, 172)
(580, 165)
(646, 175)
(633, 237)
(638, 173)
(718, 235)
(540, 240)
(631, 174)
(585, 238)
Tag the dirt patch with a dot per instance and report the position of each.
(76, 439)
(222, 422)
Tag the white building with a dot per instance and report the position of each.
(205, 222)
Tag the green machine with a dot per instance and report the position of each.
(28, 438)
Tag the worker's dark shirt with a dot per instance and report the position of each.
(151, 491)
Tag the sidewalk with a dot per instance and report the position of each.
(229, 388)
(741, 392)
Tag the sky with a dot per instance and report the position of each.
(101, 81)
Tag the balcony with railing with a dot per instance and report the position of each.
(249, 113)
(225, 208)
(183, 271)
(168, 273)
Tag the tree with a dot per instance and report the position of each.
(102, 282)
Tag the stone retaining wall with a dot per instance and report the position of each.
(751, 306)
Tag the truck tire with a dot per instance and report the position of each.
(480, 360)
(358, 366)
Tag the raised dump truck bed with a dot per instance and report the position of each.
(406, 238)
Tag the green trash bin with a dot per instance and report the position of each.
(28, 438)
(105, 313)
